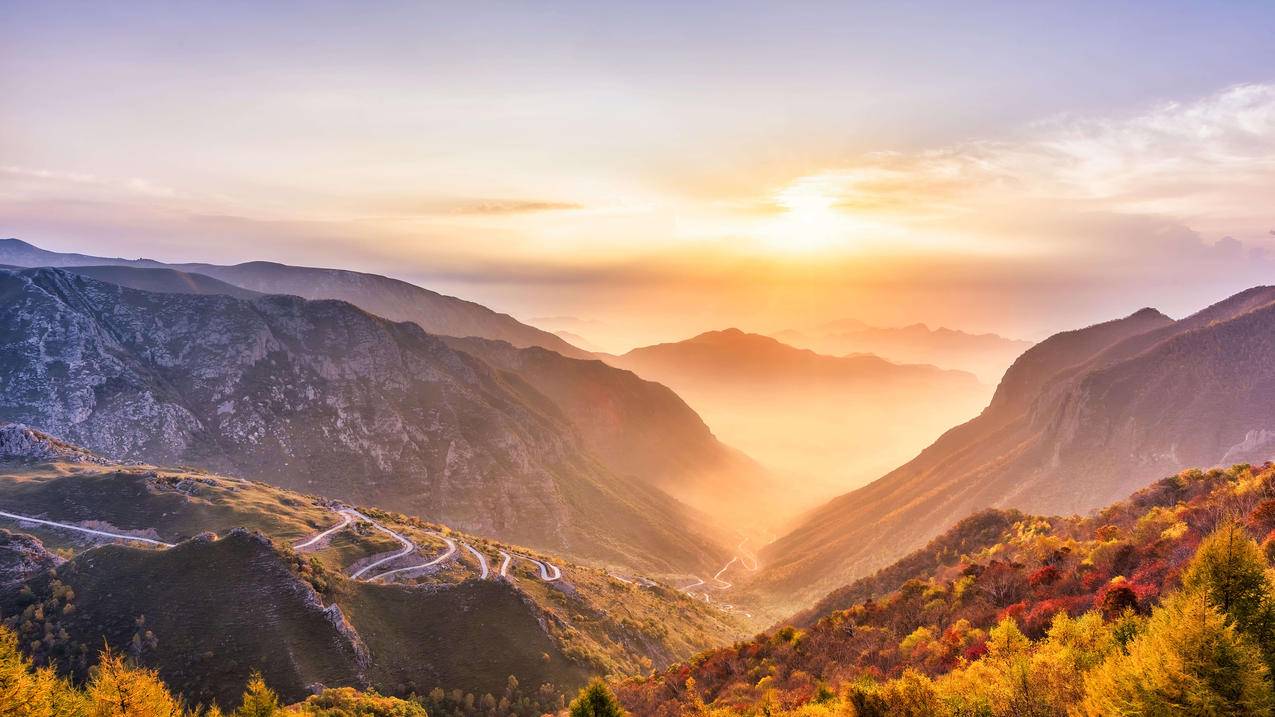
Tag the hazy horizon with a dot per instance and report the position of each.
(744, 166)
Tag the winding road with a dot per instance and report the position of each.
(348, 518)
(90, 531)
(451, 550)
(548, 571)
(482, 560)
(742, 557)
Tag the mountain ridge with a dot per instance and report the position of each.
(319, 395)
(1080, 419)
(394, 299)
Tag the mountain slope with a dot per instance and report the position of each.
(967, 469)
(938, 611)
(380, 295)
(638, 428)
(1079, 420)
(322, 397)
(821, 423)
(230, 596)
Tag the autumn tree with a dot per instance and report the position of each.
(258, 699)
(1189, 659)
(1229, 569)
(596, 700)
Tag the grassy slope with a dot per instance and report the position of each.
(222, 607)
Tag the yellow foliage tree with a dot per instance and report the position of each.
(1189, 660)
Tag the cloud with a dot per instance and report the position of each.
(1209, 163)
(481, 207)
(29, 181)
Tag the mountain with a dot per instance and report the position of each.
(638, 428)
(323, 397)
(1003, 614)
(984, 355)
(1079, 420)
(820, 422)
(220, 591)
(393, 299)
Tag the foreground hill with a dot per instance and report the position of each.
(1079, 420)
(231, 595)
(821, 422)
(323, 397)
(984, 355)
(380, 295)
(950, 630)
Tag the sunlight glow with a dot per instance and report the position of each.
(810, 220)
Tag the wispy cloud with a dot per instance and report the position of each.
(474, 206)
(19, 180)
(1208, 162)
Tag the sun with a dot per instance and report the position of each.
(809, 220)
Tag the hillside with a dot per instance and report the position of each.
(641, 429)
(1078, 421)
(984, 355)
(264, 578)
(821, 423)
(636, 428)
(978, 631)
(394, 299)
(990, 461)
(322, 397)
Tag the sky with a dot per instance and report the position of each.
(651, 170)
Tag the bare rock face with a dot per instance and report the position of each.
(317, 396)
(22, 556)
(23, 443)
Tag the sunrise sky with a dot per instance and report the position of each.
(659, 169)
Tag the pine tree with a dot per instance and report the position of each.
(1230, 569)
(258, 699)
(1189, 660)
(118, 690)
(596, 700)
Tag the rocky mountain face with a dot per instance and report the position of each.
(23, 443)
(1079, 421)
(380, 295)
(321, 397)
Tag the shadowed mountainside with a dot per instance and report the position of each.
(394, 299)
(643, 429)
(323, 397)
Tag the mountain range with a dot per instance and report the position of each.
(1078, 421)
(984, 355)
(821, 423)
(323, 397)
(391, 298)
